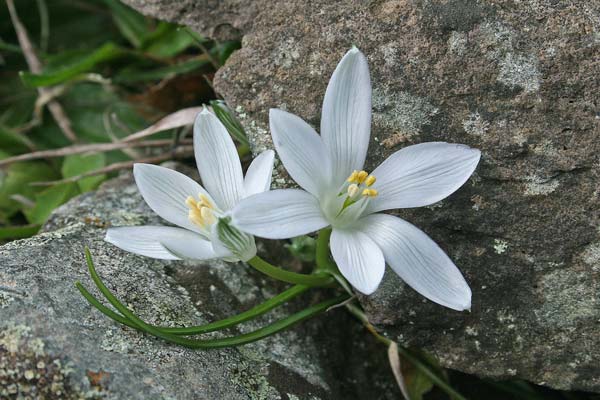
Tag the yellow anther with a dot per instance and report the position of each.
(353, 190)
(361, 176)
(370, 180)
(207, 215)
(353, 178)
(369, 192)
(205, 201)
(195, 216)
(190, 202)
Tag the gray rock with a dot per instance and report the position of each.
(518, 80)
(53, 345)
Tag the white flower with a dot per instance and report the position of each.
(338, 193)
(196, 209)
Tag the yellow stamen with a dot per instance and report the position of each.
(201, 211)
(370, 180)
(361, 176)
(207, 215)
(353, 178)
(190, 202)
(205, 201)
(195, 216)
(353, 190)
(369, 192)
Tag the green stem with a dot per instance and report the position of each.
(420, 365)
(212, 343)
(314, 280)
(199, 329)
(322, 254)
(326, 264)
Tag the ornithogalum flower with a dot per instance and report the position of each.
(204, 230)
(339, 193)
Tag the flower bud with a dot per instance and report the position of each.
(237, 242)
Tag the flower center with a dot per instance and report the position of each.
(202, 211)
(346, 205)
(358, 185)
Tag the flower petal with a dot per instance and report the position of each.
(346, 115)
(258, 176)
(359, 259)
(418, 260)
(279, 214)
(218, 161)
(163, 242)
(301, 151)
(165, 192)
(422, 174)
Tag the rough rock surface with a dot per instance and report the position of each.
(516, 79)
(53, 345)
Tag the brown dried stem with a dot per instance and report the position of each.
(181, 152)
(35, 66)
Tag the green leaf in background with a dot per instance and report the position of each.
(226, 48)
(226, 116)
(92, 109)
(303, 248)
(9, 47)
(49, 199)
(169, 41)
(18, 231)
(195, 35)
(131, 75)
(77, 164)
(417, 383)
(108, 51)
(12, 142)
(130, 23)
(15, 180)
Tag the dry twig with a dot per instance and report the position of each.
(87, 148)
(180, 118)
(182, 152)
(35, 66)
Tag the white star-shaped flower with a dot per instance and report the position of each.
(196, 210)
(339, 193)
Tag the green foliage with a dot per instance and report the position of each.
(79, 65)
(303, 248)
(77, 164)
(419, 384)
(47, 200)
(104, 63)
(16, 181)
(18, 232)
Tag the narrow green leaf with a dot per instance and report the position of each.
(18, 231)
(225, 50)
(78, 164)
(195, 35)
(12, 142)
(171, 42)
(226, 116)
(211, 327)
(10, 47)
(136, 75)
(199, 344)
(108, 51)
(132, 25)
